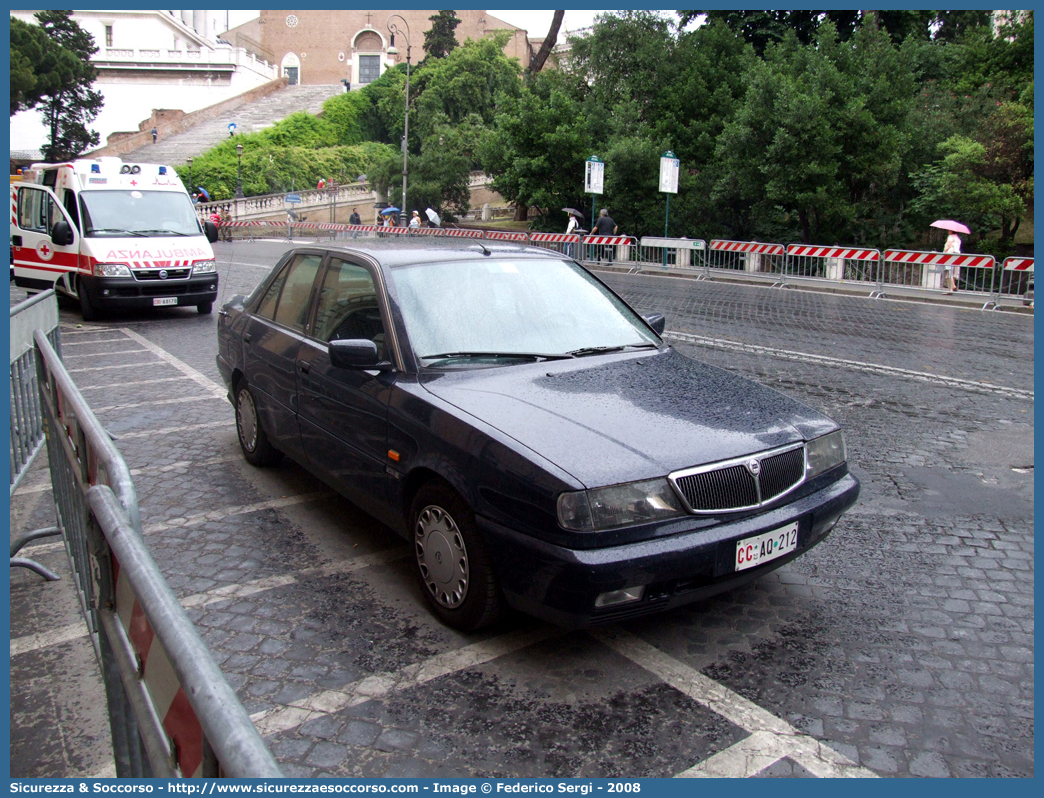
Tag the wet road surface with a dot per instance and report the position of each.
(902, 645)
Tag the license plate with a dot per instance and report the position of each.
(768, 546)
(165, 300)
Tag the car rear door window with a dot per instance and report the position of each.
(286, 300)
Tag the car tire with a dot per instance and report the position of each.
(87, 308)
(205, 307)
(452, 561)
(253, 439)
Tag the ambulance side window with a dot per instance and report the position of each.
(71, 208)
(35, 210)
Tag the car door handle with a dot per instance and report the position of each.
(305, 366)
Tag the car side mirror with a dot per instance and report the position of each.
(62, 234)
(657, 321)
(356, 353)
(211, 231)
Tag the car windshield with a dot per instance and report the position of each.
(138, 213)
(498, 309)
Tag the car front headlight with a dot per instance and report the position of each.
(619, 505)
(824, 453)
(204, 267)
(111, 270)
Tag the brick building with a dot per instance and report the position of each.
(330, 46)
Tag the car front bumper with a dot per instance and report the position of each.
(560, 585)
(130, 294)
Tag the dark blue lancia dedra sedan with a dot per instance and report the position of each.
(530, 434)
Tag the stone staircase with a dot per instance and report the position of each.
(249, 118)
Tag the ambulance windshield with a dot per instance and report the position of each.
(150, 214)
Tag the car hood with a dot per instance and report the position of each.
(615, 418)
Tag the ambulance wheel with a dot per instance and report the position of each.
(87, 309)
(205, 307)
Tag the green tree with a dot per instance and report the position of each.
(959, 186)
(345, 113)
(439, 175)
(624, 61)
(470, 80)
(29, 56)
(536, 148)
(64, 79)
(440, 40)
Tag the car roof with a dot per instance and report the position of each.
(398, 252)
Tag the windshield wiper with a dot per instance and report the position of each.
(95, 230)
(524, 355)
(601, 350)
(164, 232)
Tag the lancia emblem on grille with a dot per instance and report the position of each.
(163, 274)
(754, 466)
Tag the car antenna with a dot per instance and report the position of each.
(484, 250)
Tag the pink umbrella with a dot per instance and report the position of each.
(949, 224)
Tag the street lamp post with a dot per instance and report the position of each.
(392, 50)
(190, 175)
(239, 178)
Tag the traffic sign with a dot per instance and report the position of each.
(293, 199)
(669, 168)
(594, 175)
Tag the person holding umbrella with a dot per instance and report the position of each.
(951, 247)
(573, 227)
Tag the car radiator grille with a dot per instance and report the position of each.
(154, 274)
(742, 484)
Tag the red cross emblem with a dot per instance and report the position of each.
(44, 250)
(134, 182)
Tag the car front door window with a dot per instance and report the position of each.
(348, 307)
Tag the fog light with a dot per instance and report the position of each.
(624, 596)
(106, 292)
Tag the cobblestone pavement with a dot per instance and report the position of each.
(901, 646)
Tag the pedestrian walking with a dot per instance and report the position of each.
(154, 134)
(950, 273)
(321, 184)
(225, 230)
(415, 222)
(605, 226)
(572, 227)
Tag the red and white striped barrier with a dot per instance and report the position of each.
(554, 238)
(1018, 264)
(848, 253)
(500, 235)
(748, 246)
(610, 241)
(940, 259)
(168, 696)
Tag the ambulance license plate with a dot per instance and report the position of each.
(759, 549)
(165, 300)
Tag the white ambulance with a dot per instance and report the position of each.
(113, 235)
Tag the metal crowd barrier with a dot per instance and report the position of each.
(975, 273)
(171, 712)
(834, 264)
(39, 312)
(1015, 277)
(667, 254)
(754, 259)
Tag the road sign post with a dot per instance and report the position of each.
(594, 181)
(669, 168)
